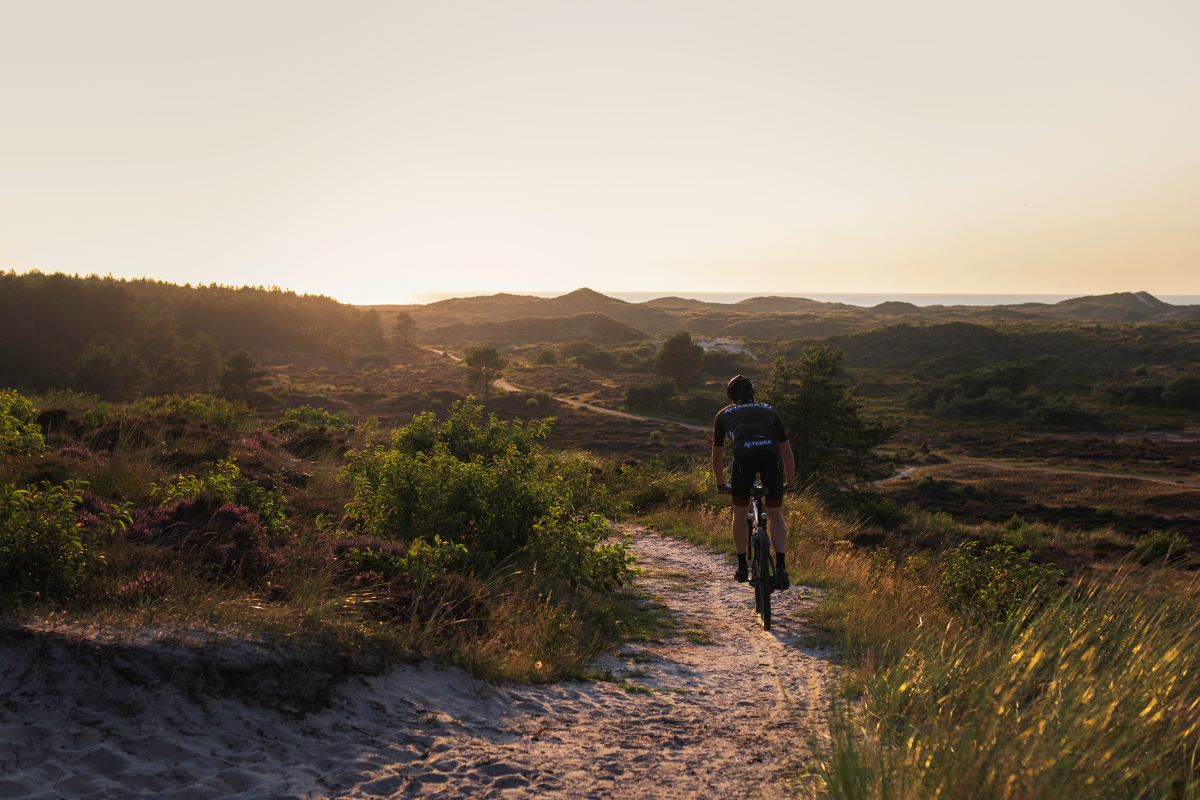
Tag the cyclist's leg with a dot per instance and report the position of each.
(741, 479)
(772, 478)
(741, 538)
(778, 527)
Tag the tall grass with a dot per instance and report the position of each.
(1096, 694)
(1093, 692)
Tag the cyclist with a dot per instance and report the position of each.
(759, 446)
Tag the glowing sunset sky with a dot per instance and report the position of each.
(376, 151)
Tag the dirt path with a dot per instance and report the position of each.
(717, 708)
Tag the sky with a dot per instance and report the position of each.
(383, 151)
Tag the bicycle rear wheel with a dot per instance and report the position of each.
(762, 587)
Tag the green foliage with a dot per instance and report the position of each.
(650, 396)
(1164, 546)
(484, 365)
(962, 391)
(598, 359)
(111, 368)
(547, 358)
(310, 417)
(225, 481)
(578, 349)
(216, 412)
(20, 434)
(988, 586)
(240, 375)
(487, 485)
(423, 561)
(831, 439)
(1183, 392)
(681, 360)
(43, 553)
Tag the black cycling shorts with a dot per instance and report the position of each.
(756, 458)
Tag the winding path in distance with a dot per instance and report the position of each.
(507, 386)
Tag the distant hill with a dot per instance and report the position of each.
(1120, 307)
(773, 317)
(593, 327)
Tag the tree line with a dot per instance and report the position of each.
(119, 338)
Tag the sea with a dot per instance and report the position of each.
(850, 298)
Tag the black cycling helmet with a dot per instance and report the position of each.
(740, 388)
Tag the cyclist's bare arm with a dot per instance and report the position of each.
(718, 464)
(789, 463)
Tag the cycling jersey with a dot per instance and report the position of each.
(743, 422)
(757, 432)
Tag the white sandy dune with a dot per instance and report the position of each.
(719, 708)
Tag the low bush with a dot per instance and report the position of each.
(225, 481)
(216, 412)
(486, 485)
(310, 417)
(987, 586)
(653, 395)
(46, 537)
(20, 434)
(1159, 545)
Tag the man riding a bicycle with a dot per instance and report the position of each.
(760, 449)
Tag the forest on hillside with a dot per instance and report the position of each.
(120, 338)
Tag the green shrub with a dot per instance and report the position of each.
(310, 417)
(20, 434)
(1159, 545)
(43, 552)
(486, 485)
(226, 415)
(422, 562)
(547, 358)
(1183, 392)
(988, 586)
(225, 481)
(654, 395)
(577, 349)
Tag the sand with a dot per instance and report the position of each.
(719, 708)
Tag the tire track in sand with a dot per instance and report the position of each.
(717, 708)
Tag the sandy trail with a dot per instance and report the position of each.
(718, 708)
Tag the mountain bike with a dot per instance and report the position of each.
(758, 556)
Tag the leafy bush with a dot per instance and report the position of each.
(225, 481)
(20, 434)
(43, 552)
(418, 563)
(547, 358)
(988, 586)
(1183, 392)
(1160, 545)
(310, 417)
(217, 412)
(598, 359)
(651, 396)
(577, 349)
(488, 486)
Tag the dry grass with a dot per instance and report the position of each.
(1096, 694)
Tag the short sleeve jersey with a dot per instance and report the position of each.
(743, 421)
